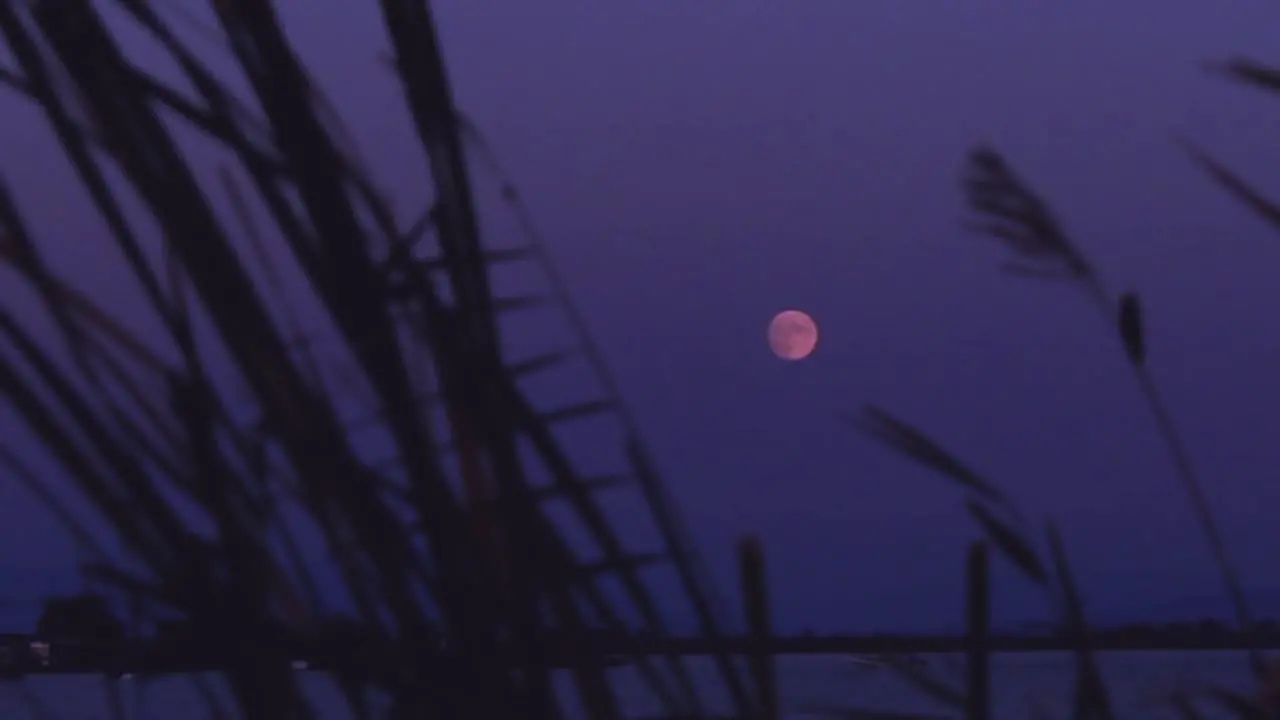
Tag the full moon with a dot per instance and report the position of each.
(792, 335)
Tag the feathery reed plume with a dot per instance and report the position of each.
(1016, 216)
(1013, 214)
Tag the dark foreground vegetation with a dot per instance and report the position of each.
(325, 390)
(294, 311)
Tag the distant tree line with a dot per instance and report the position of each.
(89, 618)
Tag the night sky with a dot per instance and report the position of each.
(696, 167)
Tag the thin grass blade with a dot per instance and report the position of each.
(1092, 700)
(1267, 209)
(1016, 548)
(917, 446)
(1250, 72)
(1131, 332)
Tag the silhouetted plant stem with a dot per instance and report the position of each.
(414, 322)
(1012, 213)
(978, 626)
(755, 595)
(1185, 471)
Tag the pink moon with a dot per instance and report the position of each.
(792, 335)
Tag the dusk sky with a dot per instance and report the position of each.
(696, 167)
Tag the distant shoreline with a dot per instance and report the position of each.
(143, 658)
(937, 643)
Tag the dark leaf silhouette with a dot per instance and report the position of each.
(408, 328)
(1012, 544)
(1131, 332)
(919, 447)
(1234, 184)
(1250, 72)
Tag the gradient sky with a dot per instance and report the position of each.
(697, 166)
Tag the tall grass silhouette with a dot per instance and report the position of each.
(201, 461)
(197, 464)
(1009, 211)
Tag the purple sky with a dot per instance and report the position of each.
(697, 166)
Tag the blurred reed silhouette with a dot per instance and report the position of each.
(1007, 210)
(199, 460)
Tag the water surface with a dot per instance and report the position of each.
(1026, 685)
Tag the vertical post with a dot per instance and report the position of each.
(756, 601)
(977, 629)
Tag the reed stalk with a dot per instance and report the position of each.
(214, 455)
